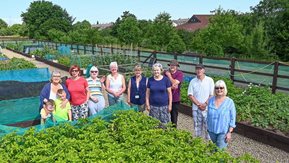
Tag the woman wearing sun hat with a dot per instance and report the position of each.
(96, 86)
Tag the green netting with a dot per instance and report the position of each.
(105, 114)
(25, 75)
(19, 110)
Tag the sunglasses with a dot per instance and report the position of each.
(56, 76)
(94, 71)
(219, 87)
(74, 70)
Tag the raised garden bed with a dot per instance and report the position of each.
(261, 135)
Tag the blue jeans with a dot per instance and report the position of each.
(219, 139)
(114, 100)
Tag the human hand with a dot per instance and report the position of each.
(228, 137)
(94, 99)
(45, 100)
(202, 107)
(175, 86)
(148, 108)
(168, 73)
(169, 109)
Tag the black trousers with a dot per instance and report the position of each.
(174, 113)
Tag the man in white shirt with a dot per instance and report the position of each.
(200, 89)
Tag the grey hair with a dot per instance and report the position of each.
(158, 65)
(54, 73)
(113, 64)
(221, 83)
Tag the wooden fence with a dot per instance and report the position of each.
(278, 77)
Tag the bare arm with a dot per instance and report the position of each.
(148, 99)
(169, 89)
(69, 115)
(128, 92)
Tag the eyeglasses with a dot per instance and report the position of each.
(219, 88)
(94, 71)
(56, 76)
(74, 70)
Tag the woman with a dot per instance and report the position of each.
(159, 95)
(49, 90)
(79, 92)
(96, 101)
(221, 116)
(115, 85)
(136, 92)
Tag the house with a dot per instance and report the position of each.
(195, 22)
(102, 26)
(179, 21)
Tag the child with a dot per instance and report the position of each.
(62, 113)
(46, 111)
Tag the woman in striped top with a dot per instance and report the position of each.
(96, 100)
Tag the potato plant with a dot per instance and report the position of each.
(129, 137)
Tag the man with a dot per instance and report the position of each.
(201, 88)
(176, 78)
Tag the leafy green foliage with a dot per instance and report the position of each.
(42, 16)
(176, 44)
(255, 105)
(129, 137)
(16, 64)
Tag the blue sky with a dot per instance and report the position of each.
(106, 11)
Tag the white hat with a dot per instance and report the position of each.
(93, 68)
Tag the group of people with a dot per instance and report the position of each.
(214, 113)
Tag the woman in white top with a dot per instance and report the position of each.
(115, 85)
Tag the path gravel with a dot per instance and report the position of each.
(239, 145)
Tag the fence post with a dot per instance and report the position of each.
(138, 54)
(201, 59)
(275, 77)
(175, 56)
(84, 49)
(77, 48)
(232, 69)
(111, 49)
(155, 54)
(101, 51)
(92, 49)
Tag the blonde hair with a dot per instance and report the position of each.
(221, 83)
(137, 66)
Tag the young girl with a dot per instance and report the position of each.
(46, 111)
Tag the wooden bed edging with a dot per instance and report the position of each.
(25, 123)
(261, 135)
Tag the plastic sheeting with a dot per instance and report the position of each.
(25, 75)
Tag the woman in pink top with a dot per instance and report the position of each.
(79, 93)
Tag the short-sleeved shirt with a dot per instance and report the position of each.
(220, 119)
(158, 91)
(44, 115)
(61, 114)
(201, 89)
(178, 75)
(94, 87)
(77, 90)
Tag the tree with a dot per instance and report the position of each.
(160, 31)
(126, 14)
(275, 15)
(128, 31)
(41, 16)
(176, 44)
(224, 35)
(3, 24)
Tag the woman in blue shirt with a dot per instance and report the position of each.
(221, 116)
(159, 95)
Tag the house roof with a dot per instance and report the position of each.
(180, 21)
(195, 22)
(102, 26)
